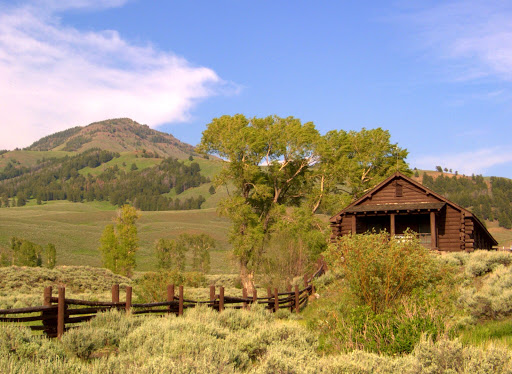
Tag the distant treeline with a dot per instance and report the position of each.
(491, 201)
(59, 179)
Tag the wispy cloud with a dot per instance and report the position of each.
(475, 35)
(477, 161)
(53, 76)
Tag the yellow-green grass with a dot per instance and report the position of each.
(209, 168)
(76, 228)
(483, 334)
(128, 158)
(29, 158)
(502, 235)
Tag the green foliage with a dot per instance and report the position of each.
(301, 167)
(76, 143)
(491, 297)
(25, 253)
(50, 256)
(64, 179)
(200, 246)
(120, 243)
(170, 254)
(152, 286)
(379, 269)
(489, 203)
(204, 341)
(293, 249)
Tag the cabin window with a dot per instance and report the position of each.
(398, 190)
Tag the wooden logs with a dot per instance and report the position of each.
(47, 298)
(297, 294)
(180, 305)
(128, 298)
(115, 293)
(61, 312)
(221, 299)
(276, 300)
(170, 294)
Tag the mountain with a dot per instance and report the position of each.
(115, 135)
(117, 160)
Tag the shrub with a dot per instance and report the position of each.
(483, 262)
(493, 297)
(379, 269)
(152, 286)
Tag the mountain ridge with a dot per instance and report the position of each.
(115, 135)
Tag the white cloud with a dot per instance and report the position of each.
(53, 77)
(476, 35)
(477, 161)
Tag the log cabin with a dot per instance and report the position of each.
(399, 203)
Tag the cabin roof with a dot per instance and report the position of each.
(355, 206)
(395, 207)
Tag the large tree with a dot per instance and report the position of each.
(274, 164)
(268, 162)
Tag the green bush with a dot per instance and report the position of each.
(483, 262)
(492, 297)
(379, 269)
(152, 286)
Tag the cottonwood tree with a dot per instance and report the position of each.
(276, 163)
(268, 162)
(119, 243)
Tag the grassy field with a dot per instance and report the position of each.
(127, 159)
(75, 229)
(29, 158)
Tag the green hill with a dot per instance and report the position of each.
(75, 230)
(116, 135)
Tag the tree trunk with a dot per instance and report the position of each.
(247, 277)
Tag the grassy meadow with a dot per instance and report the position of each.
(477, 337)
(30, 158)
(75, 229)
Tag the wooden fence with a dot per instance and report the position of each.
(58, 314)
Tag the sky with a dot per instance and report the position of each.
(436, 74)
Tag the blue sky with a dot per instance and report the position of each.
(437, 75)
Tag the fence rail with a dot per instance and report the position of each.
(59, 314)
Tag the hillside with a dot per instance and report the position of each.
(117, 160)
(489, 198)
(115, 135)
(75, 229)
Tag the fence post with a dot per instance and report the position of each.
(115, 293)
(244, 295)
(212, 296)
(254, 297)
(269, 295)
(221, 299)
(180, 305)
(128, 298)
(47, 299)
(170, 294)
(297, 306)
(289, 290)
(306, 280)
(276, 300)
(61, 306)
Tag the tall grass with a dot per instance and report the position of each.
(235, 341)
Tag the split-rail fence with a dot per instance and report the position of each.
(58, 314)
